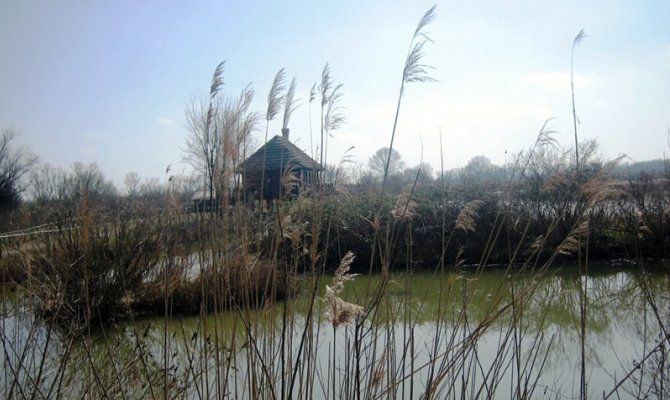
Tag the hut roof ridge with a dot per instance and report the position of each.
(278, 153)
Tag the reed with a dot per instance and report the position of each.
(107, 305)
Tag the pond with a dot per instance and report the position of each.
(496, 333)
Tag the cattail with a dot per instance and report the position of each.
(466, 220)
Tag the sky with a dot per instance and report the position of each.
(108, 82)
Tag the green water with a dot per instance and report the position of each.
(625, 310)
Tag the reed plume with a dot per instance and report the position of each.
(217, 80)
(289, 181)
(331, 111)
(275, 98)
(275, 101)
(325, 85)
(334, 117)
(405, 207)
(413, 71)
(572, 242)
(339, 311)
(312, 97)
(290, 102)
(214, 89)
(601, 187)
(576, 42)
(467, 218)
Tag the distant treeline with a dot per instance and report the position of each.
(532, 201)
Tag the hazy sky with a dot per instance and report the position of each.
(108, 81)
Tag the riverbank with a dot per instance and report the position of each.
(435, 327)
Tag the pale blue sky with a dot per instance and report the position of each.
(108, 81)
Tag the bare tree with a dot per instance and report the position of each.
(48, 183)
(152, 188)
(89, 179)
(423, 169)
(378, 164)
(52, 184)
(237, 123)
(204, 141)
(185, 185)
(15, 163)
(219, 130)
(132, 182)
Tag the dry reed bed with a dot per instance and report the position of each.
(333, 346)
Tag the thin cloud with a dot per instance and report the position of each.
(88, 150)
(166, 121)
(556, 81)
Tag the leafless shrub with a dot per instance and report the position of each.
(15, 163)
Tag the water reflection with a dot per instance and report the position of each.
(430, 311)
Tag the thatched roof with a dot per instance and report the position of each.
(278, 152)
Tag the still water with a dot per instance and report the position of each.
(519, 327)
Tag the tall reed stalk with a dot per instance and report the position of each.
(576, 42)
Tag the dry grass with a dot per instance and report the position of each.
(243, 265)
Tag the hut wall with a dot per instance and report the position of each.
(272, 188)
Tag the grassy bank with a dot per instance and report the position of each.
(103, 258)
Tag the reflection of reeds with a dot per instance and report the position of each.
(237, 270)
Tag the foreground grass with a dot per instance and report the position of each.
(235, 270)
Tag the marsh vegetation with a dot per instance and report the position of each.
(540, 278)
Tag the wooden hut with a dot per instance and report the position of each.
(277, 157)
(202, 202)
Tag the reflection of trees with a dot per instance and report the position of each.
(547, 305)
